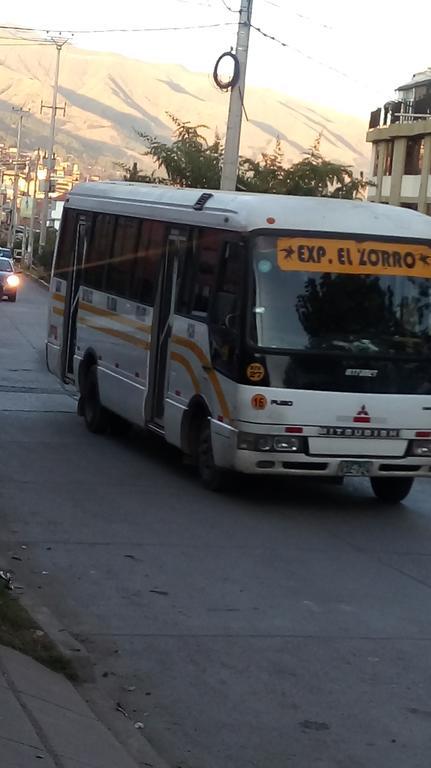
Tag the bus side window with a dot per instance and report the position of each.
(151, 247)
(99, 251)
(207, 261)
(199, 273)
(119, 272)
(66, 245)
(227, 298)
(226, 311)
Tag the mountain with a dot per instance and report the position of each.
(109, 96)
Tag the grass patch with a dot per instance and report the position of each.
(20, 631)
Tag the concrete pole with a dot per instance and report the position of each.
(33, 212)
(44, 217)
(233, 131)
(13, 220)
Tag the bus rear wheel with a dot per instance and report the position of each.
(213, 478)
(95, 415)
(391, 490)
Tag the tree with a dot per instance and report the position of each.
(266, 174)
(133, 173)
(191, 161)
(314, 176)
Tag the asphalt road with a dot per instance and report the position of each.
(283, 625)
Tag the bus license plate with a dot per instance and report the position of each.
(355, 468)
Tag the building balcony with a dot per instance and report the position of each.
(401, 112)
(409, 192)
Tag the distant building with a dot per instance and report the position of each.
(32, 185)
(400, 133)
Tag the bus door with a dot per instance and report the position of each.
(174, 255)
(72, 296)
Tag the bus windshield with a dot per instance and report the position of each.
(315, 311)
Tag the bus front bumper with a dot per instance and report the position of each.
(361, 459)
(251, 462)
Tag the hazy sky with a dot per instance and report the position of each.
(373, 43)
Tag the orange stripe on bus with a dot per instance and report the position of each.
(181, 360)
(114, 316)
(59, 297)
(141, 343)
(200, 354)
(58, 311)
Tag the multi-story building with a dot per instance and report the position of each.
(400, 133)
(31, 185)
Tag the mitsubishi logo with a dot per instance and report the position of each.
(362, 416)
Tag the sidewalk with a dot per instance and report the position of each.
(42, 717)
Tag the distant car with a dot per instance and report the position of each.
(9, 280)
(6, 252)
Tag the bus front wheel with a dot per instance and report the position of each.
(213, 478)
(95, 415)
(391, 490)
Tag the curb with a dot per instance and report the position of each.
(134, 742)
(39, 280)
(67, 645)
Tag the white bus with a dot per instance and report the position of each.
(258, 333)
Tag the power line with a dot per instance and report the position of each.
(228, 8)
(306, 55)
(30, 44)
(301, 16)
(115, 30)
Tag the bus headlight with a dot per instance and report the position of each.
(420, 448)
(288, 443)
(247, 441)
(264, 443)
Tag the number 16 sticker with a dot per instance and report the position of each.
(259, 402)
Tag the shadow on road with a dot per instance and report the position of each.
(275, 494)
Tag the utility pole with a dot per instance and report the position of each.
(49, 168)
(33, 211)
(11, 236)
(233, 131)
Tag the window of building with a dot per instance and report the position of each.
(389, 155)
(151, 247)
(66, 244)
(99, 251)
(119, 273)
(414, 156)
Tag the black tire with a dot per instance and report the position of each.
(12, 297)
(391, 490)
(214, 478)
(95, 415)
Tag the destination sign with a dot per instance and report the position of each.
(314, 254)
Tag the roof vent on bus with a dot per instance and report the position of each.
(202, 201)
